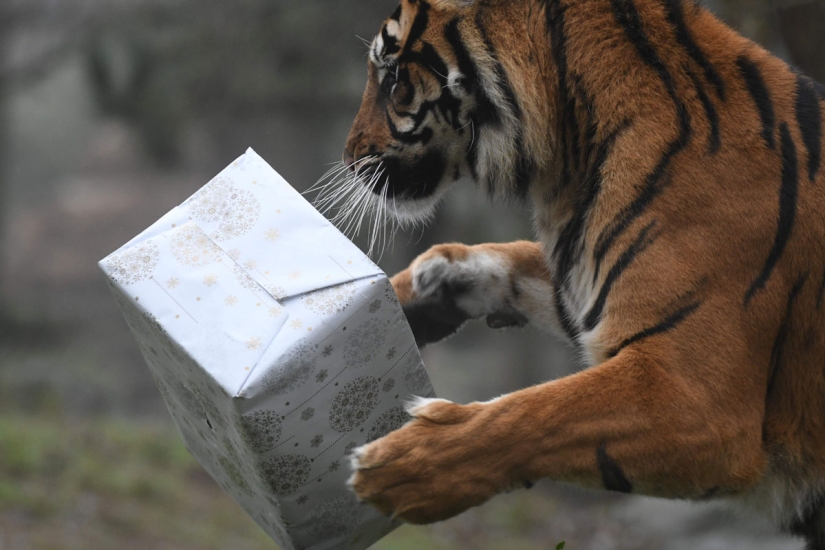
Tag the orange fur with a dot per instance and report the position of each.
(680, 250)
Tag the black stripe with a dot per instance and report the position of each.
(419, 25)
(613, 477)
(430, 59)
(524, 166)
(640, 244)
(628, 18)
(676, 16)
(486, 111)
(761, 96)
(554, 14)
(423, 137)
(564, 316)
(391, 45)
(668, 324)
(571, 239)
(809, 524)
(503, 81)
(524, 171)
(710, 493)
(782, 334)
(787, 211)
(820, 90)
(396, 15)
(466, 66)
(715, 140)
(821, 292)
(809, 119)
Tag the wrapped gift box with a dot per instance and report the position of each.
(278, 347)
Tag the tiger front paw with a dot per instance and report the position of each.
(453, 283)
(433, 468)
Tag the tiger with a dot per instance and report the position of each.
(674, 173)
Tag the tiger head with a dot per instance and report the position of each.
(437, 106)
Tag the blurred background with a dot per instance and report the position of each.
(111, 113)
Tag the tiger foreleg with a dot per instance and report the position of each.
(508, 284)
(627, 425)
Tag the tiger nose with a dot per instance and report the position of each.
(349, 160)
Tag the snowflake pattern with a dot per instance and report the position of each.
(333, 467)
(389, 384)
(272, 234)
(192, 247)
(365, 343)
(210, 280)
(327, 351)
(244, 279)
(390, 354)
(302, 500)
(321, 376)
(235, 475)
(316, 441)
(389, 294)
(253, 343)
(350, 446)
(354, 404)
(213, 414)
(292, 371)
(231, 300)
(375, 305)
(185, 396)
(415, 377)
(296, 324)
(234, 210)
(286, 474)
(331, 300)
(335, 517)
(134, 264)
(261, 430)
(389, 421)
(173, 282)
(275, 291)
(307, 413)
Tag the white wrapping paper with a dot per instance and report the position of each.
(278, 347)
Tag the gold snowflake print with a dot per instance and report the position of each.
(272, 235)
(234, 254)
(250, 264)
(210, 280)
(296, 324)
(253, 344)
(231, 301)
(192, 247)
(295, 275)
(173, 282)
(274, 312)
(134, 264)
(235, 210)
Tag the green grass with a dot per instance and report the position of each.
(81, 484)
(112, 484)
